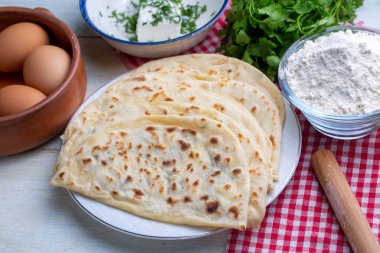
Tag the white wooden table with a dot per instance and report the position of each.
(36, 217)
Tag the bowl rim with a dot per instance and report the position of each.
(293, 99)
(84, 12)
(47, 15)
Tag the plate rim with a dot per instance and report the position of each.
(72, 194)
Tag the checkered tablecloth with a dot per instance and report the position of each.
(301, 220)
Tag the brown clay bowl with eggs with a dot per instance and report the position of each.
(33, 126)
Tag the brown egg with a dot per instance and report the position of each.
(17, 98)
(46, 68)
(17, 41)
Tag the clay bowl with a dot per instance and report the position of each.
(38, 124)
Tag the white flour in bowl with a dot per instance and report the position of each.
(338, 73)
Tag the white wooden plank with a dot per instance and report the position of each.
(67, 10)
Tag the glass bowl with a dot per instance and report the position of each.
(333, 125)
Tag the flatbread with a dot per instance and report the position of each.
(166, 168)
(154, 90)
(253, 142)
(217, 67)
(229, 77)
(203, 117)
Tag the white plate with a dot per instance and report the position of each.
(141, 227)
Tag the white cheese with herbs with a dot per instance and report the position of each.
(158, 20)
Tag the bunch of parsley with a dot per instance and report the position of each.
(260, 31)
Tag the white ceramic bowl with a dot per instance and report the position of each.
(96, 14)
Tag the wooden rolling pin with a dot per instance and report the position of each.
(344, 203)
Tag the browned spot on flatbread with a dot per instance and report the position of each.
(193, 154)
(97, 188)
(160, 147)
(218, 107)
(174, 186)
(147, 112)
(150, 128)
(186, 199)
(171, 201)
(156, 95)
(227, 187)
(129, 179)
(158, 69)
(227, 160)
(139, 146)
(193, 107)
(96, 148)
(104, 163)
(169, 99)
(86, 160)
(168, 163)
(219, 125)
(217, 158)
(144, 87)
(115, 192)
(196, 183)
(191, 99)
(273, 140)
(211, 181)
(138, 193)
(236, 172)
(189, 131)
(184, 145)
(211, 207)
(123, 134)
(61, 175)
(214, 140)
(189, 166)
(234, 211)
(109, 179)
(171, 129)
(204, 197)
(139, 78)
(253, 109)
(216, 173)
(115, 99)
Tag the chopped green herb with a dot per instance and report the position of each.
(261, 31)
(133, 38)
(190, 14)
(131, 23)
(165, 10)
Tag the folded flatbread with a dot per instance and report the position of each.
(187, 170)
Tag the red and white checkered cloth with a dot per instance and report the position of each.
(301, 220)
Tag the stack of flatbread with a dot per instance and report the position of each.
(191, 139)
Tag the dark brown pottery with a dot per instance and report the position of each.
(30, 128)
